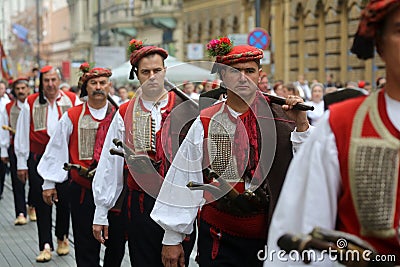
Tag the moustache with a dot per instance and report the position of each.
(21, 94)
(98, 93)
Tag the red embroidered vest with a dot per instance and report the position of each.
(228, 159)
(148, 143)
(368, 152)
(82, 141)
(38, 119)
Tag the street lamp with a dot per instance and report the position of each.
(257, 6)
(99, 22)
(38, 33)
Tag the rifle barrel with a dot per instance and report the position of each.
(274, 99)
(116, 152)
(180, 93)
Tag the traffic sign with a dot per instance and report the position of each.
(266, 60)
(238, 38)
(259, 38)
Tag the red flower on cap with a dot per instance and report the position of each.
(138, 51)
(226, 54)
(85, 67)
(219, 47)
(134, 45)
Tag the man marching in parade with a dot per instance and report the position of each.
(21, 90)
(36, 124)
(240, 136)
(350, 180)
(75, 141)
(147, 125)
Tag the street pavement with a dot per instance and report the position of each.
(19, 244)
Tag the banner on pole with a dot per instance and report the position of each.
(5, 70)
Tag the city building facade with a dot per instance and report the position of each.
(307, 37)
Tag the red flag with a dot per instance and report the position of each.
(66, 70)
(5, 71)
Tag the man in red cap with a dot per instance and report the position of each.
(4, 100)
(236, 139)
(151, 127)
(21, 91)
(350, 180)
(74, 141)
(36, 124)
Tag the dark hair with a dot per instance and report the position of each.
(292, 90)
(122, 87)
(378, 80)
(290, 87)
(277, 84)
(74, 89)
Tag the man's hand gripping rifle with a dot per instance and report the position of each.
(229, 199)
(347, 249)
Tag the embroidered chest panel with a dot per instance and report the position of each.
(221, 134)
(39, 115)
(14, 113)
(87, 130)
(143, 130)
(39, 112)
(373, 171)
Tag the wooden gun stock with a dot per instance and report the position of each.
(8, 128)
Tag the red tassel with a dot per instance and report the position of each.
(129, 205)
(141, 202)
(83, 190)
(216, 236)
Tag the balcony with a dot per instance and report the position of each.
(118, 15)
(159, 7)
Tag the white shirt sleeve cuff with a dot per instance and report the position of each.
(4, 153)
(172, 238)
(300, 137)
(48, 185)
(22, 164)
(100, 216)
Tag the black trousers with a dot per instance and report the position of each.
(228, 250)
(145, 236)
(44, 211)
(117, 237)
(18, 186)
(87, 248)
(2, 177)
